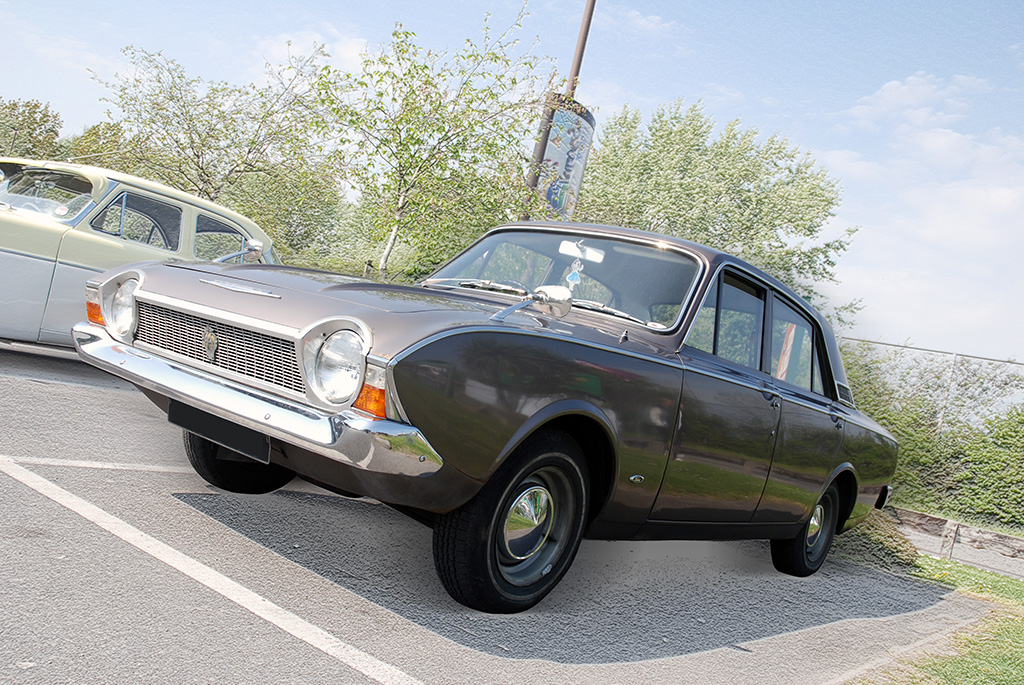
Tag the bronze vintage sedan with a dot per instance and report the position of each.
(551, 382)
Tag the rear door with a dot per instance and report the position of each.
(810, 430)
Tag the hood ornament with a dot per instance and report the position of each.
(240, 288)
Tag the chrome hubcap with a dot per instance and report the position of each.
(528, 523)
(814, 526)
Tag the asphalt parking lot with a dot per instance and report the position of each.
(122, 565)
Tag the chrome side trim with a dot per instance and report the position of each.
(774, 390)
(533, 333)
(766, 387)
(349, 437)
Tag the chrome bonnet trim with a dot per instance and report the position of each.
(348, 437)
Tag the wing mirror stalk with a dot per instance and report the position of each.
(552, 300)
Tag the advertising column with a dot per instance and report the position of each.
(569, 142)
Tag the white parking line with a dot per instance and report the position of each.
(247, 599)
(110, 465)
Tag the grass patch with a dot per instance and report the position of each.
(972, 581)
(990, 653)
(877, 542)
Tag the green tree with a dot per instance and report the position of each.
(29, 128)
(247, 147)
(101, 144)
(434, 143)
(204, 136)
(762, 200)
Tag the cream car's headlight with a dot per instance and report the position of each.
(122, 308)
(338, 368)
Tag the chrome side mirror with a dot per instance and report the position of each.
(252, 252)
(553, 300)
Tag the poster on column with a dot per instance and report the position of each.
(569, 142)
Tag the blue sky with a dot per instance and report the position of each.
(917, 108)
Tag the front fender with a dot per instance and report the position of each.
(477, 394)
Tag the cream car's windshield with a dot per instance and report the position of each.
(640, 281)
(55, 194)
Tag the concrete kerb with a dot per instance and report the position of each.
(948, 539)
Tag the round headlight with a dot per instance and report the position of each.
(339, 367)
(122, 308)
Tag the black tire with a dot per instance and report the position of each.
(231, 471)
(804, 554)
(485, 560)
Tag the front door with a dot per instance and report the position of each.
(728, 413)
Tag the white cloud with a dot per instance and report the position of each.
(849, 165)
(937, 261)
(630, 21)
(345, 51)
(920, 100)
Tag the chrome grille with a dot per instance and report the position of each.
(255, 355)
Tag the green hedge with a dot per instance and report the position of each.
(949, 465)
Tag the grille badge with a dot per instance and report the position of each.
(210, 344)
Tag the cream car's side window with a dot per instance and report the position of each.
(142, 220)
(216, 238)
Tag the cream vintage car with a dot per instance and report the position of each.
(61, 224)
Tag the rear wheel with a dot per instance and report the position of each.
(232, 471)
(505, 549)
(803, 555)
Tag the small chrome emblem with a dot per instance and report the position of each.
(210, 344)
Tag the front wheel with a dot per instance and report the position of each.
(506, 548)
(803, 555)
(232, 471)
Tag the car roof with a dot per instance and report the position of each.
(100, 179)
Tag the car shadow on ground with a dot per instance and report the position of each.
(620, 601)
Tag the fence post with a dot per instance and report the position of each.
(949, 536)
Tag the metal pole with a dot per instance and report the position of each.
(549, 105)
(581, 45)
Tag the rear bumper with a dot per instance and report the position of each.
(351, 440)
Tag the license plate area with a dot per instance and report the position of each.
(245, 441)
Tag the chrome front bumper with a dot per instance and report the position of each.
(364, 443)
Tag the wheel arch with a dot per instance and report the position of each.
(592, 431)
(845, 479)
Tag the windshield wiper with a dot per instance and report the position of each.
(598, 307)
(481, 284)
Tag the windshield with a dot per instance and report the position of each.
(55, 194)
(638, 281)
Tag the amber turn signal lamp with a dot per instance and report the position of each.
(371, 400)
(94, 313)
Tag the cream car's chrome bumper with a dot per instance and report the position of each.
(351, 438)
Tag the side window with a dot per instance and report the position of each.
(731, 323)
(740, 323)
(216, 238)
(702, 335)
(142, 220)
(793, 349)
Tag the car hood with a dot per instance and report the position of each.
(398, 315)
